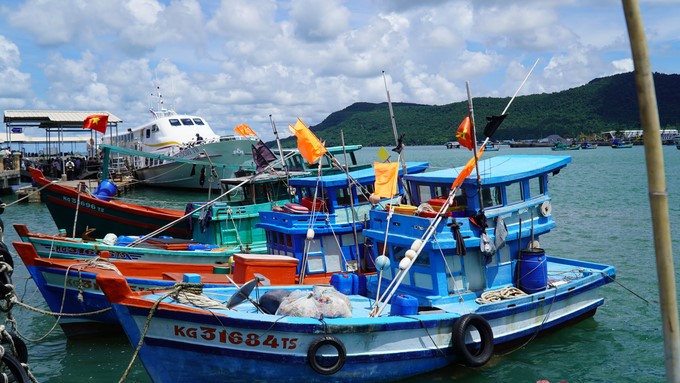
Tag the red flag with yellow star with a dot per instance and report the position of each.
(464, 133)
(96, 122)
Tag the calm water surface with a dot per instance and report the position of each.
(601, 206)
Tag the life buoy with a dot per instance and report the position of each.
(545, 209)
(326, 340)
(474, 358)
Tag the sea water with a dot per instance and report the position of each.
(601, 206)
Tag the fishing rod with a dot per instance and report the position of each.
(417, 246)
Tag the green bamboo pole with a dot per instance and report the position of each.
(658, 195)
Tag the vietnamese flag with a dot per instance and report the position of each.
(464, 133)
(96, 122)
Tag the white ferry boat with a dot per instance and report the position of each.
(182, 136)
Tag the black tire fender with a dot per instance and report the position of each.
(21, 351)
(326, 340)
(17, 371)
(5, 255)
(476, 357)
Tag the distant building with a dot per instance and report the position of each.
(666, 134)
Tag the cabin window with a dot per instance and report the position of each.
(343, 196)
(154, 128)
(235, 195)
(365, 192)
(174, 122)
(198, 121)
(187, 121)
(289, 240)
(513, 193)
(148, 133)
(536, 187)
(492, 196)
(294, 163)
(424, 193)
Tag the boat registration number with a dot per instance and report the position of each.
(235, 337)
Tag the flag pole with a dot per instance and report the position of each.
(474, 140)
(396, 135)
(278, 142)
(658, 193)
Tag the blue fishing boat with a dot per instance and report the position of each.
(588, 145)
(447, 289)
(619, 144)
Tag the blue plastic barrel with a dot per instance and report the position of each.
(105, 190)
(344, 283)
(533, 270)
(403, 304)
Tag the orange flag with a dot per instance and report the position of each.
(464, 133)
(386, 175)
(244, 130)
(308, 144)
(467, 169)
(97, 122)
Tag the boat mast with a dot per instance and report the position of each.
(658, 193)
(396, 136)
(474, 141)
(278, 142)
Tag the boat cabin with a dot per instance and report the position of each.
(514, 190)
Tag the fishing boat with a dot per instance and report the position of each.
(562, 146)
(223, 227)
(491, 148)
(325, 234)
(168, 136)
(440, 294)
(79, 210)
(69, 285)
(588, 145)
(345, 196)
(619, 144)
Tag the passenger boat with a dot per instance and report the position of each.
(70, 289)
(440, 294)
(181, 136)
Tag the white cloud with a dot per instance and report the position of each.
(239, 61)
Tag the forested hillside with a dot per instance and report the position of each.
(608, 103)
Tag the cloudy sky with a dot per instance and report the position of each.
(240, 61)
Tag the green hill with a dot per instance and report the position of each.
(608, 103)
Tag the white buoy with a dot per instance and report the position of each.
(416, 245)
(404, 263)
(310, 234)
(410, 254)
(382, 262)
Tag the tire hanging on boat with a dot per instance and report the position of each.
(472, 358)
(326, 340)
(12, 343)
(13, 371)
(5, 255)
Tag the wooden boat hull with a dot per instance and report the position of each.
(104, 216)
(69, 285)
(271, 347)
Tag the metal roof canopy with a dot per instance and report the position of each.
(52, 121)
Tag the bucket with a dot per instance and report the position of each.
(404, 305)
(533, 270)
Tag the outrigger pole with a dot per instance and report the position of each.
(658, 194)
(396, 135)
(417, 246)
